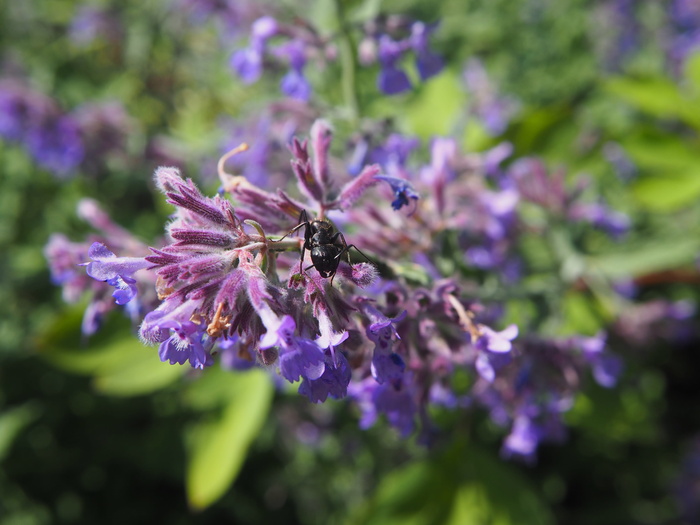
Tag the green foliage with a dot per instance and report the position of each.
(117, 365)
(463, 486)
(218, 445)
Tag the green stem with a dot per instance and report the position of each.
(348, 61)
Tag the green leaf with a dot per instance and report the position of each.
(652, 256)
(139, 371)
(466, 486)
(12, 422)
(410, 271)
(668, 191)
(659, 151)
(581, 315)
(691, 70)
(657, 96)
(120, 363)
(219, 446)
(437, 107)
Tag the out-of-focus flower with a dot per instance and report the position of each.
(492, 109)
(92, 23)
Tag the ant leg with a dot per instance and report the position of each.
(303, 221)
(301, 262)
(346, 248)
(360, 252)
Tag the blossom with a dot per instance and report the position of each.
(403, 191)
(116, 271)
(387, 365)
(56, 145)
(428, 63)
(492, 345)
(298, 357)
(332, 382)
(184, 344)
(392, 79)
(294, 84)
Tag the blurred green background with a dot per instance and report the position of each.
(99, 431)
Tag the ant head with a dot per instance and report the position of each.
(320, 225)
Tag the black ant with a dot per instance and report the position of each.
(326, 245)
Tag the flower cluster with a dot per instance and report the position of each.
(106, 287)
(299, 43)
(59, 141)
(493, 110)
(91, 23)
(395, 337)
(386, 41)
(684, 29)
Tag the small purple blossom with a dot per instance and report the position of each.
(294, 84)
(492, 345)
(116, 271)
(403, 191)
(57, 145)
(523, 439)
(299, 358)
(93, 23)
(333, 382)
(184, 344)
(428, 63)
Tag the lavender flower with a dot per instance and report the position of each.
(294, 84)
(93, 23)
(428, 63)
(66, 258)
(493, 110)
(229, 280)
(248, 62)
(403, 190)
(115, 271)
(56, 145)
(392, 79)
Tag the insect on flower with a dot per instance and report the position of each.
(326, 245)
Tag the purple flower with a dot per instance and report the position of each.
(493, 110)
(428, 63)
(394, 153)
(333, 382)
(403, 191)
(298, 357)
(184, 344)
(236, 353)
(492, 346)
(395, 401)
(56, 145)
(116, 271)
(295, 85)
(616, 224)
(392, 80)
(606, 367)
(498, 342)
(387, 366)
(523, 439)
(247, 63)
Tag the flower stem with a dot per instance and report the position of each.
(348, 61)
